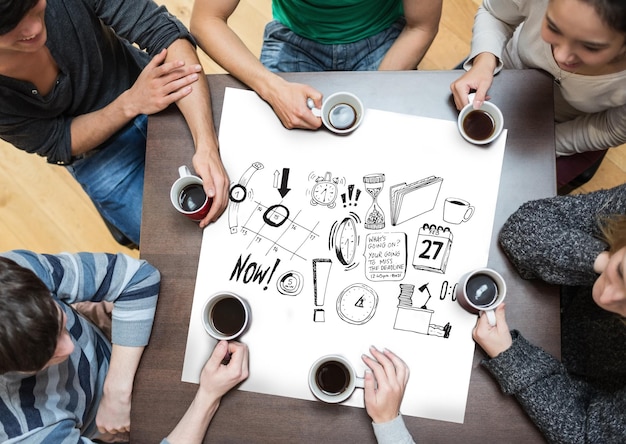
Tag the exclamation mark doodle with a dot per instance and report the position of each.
(349, 202)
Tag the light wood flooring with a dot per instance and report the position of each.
(43, 209)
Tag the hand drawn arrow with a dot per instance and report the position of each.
(283, 190)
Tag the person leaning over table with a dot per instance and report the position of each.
(61, 380)
(578, 242)
(582, 44)
(317, 35)
(74, 89)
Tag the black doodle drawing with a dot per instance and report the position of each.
(325, 191)
(457, 210)
(290, 283)
(321, 273)
(385, 256)
(432, 248)
(417, 319)
(414, 199)
(344, 240)
(357, 303)
(238, 193)
(351, 198)
(274, 228)
(374, 217)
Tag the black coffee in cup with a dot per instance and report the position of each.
(342, 116)
(192, 197)
(332, 377)
(228, 316)
(482, 290)
(479, 125)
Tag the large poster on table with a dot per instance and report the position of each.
(343, 242)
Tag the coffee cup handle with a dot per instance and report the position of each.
(491, 317)
(317, 112)
(467, 217)
(183, 171)
(359, 382)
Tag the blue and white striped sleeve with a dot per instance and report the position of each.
(131, 284)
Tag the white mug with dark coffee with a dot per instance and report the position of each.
(480, 126)
(332, 379)
(225, 316)
(479, 290)
(341, 112)
(188, 196)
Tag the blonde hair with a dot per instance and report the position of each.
(614, 231)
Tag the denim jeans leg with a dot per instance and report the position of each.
(285, 51)
(113, 177)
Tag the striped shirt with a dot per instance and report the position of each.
(59, 404)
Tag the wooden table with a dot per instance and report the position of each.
(172, 244)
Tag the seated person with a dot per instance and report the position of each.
(61, 380)
(578, 242)
(77, 91)
(319, 35)
(582, 44)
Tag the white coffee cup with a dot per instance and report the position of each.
(188, 196)
(341, 112)
(225, 315)
(332, 379)
(482, 289)
(457, 210)
(480, 126)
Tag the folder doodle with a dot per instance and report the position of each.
(409, 201)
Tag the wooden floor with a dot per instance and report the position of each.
(43, 209)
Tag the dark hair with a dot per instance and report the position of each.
(29, 320)
(612, 12)
(12, 12)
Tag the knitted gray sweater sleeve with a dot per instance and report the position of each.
(564, 409)
(558, 239)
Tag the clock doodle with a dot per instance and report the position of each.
(324, 192)
(357, 304)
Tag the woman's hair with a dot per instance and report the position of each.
(614, 231)
(12, 12)
(612, 12)
(29, 320)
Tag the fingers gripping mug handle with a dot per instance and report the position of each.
(491, 317)
(316, 111)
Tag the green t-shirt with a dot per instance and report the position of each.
(336, 21)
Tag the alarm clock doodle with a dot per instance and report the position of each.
(325, 190)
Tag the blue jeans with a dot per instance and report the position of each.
(112, 176)
(285, 51)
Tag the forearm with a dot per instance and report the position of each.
(195, 107)
(408, 49)
(118, 384)
(221, 43)
(591, 132)
(92, 129)
(193, 425)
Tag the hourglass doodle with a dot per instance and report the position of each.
(374, 217)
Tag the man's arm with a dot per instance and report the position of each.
(422, 25)
(196, 108)
(215, 380)
(209, 26)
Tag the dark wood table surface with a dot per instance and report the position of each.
(172, 244)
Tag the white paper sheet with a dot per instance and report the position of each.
(265, 247)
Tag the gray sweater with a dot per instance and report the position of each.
(90, 41)
(583, 398)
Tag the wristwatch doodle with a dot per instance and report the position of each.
(345, 241)
(238, 193)
(324, 192)
(357, 304)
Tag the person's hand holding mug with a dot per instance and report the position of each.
(494, 339)
(384, 385)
